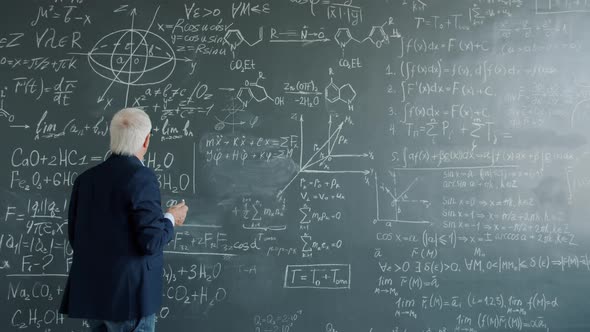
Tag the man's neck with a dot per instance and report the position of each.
(139, 156)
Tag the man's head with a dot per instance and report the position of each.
(130, 132)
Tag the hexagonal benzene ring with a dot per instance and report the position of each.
(378, 36)
(332, 92)
(233, 38)
(343, 36)
(245, 96)
(347, 93)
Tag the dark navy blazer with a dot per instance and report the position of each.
(118, 231)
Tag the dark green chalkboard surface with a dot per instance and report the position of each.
(350, 166)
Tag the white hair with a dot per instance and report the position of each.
(129, 128)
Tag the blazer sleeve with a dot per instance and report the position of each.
(72, 213)
(153, 231)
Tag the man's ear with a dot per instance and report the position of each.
(146, 142)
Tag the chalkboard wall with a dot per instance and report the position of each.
(376, 166)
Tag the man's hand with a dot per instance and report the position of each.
(179, 212)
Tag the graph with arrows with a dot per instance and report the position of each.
(323, 158)
(132, 57)
(399, 199)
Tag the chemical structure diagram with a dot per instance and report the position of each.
(234, 38)
(254, 91)
(319, 162)
(377, 36)
(343, 36)
(234, 117)
(399, 201)
(344, 93)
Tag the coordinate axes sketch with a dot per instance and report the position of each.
(319, 162)
(399, 201)
(3, 112)
(132, 57)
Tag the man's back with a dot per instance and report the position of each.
(118, 232)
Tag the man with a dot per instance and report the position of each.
(118, 231)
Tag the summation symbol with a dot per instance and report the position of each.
(399, 202)
(132, 57)
(319, 162)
